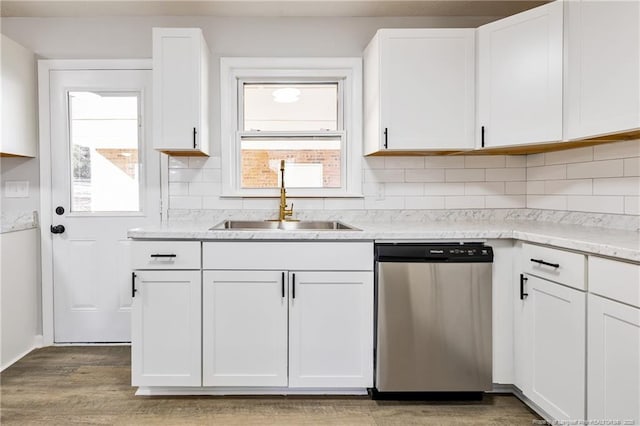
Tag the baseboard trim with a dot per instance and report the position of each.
(222, 391)
(37, 342)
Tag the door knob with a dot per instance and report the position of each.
(58, 229)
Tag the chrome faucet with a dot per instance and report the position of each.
(284, 212)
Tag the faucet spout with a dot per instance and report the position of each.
(284, 211)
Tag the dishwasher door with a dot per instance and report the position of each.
(433, 327)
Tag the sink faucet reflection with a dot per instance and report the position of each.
(284, 211)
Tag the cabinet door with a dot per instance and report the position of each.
(166, 324)
(614, 361)
(556, 328)
(520, 78)
(331, 329)
(180, 90)
(427, 82)
(603, 67)
(244, 328)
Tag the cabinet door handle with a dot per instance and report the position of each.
(386, 138)
(133, 284)
(482, 136)
(542, 262)
(523, 295)
(162, 255)
(283, 285)
(293, 286)
(194, 138)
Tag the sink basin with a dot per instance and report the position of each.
(314, 225)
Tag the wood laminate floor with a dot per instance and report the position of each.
(91, 385)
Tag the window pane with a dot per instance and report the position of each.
(104, 152)
(290, 107)
(309, 162)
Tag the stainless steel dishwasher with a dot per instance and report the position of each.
(433, 317)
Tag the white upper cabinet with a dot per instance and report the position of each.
(180, 91)
(602, 92)
(19, 109)
(419, 90)
(520, 78)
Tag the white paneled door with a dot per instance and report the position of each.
(105, 179)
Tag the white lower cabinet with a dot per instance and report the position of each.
(244, 328)
(166, 321)
(331, 329)
(555, 319)
(614, 361)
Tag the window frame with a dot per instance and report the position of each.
(347, 72)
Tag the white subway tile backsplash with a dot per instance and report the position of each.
(535, 187)
(632, 205)
(211, 175)
(505, 202)
(483, 188)
(260, 204)
(568, 187)
(396, 189)
(344, 203)
(547, 172)
(185, 202)
(464, 202)
(221, 203)
(179, 188)
(373, 163)
(617, 186)
(516, 160)
(547, 202)
(404, 162)
(454, 162)
(384, 175)
(484, 161)
(577, 155)
(388, 203)
(515, 188)
(204, 162)
(444, 189)
(424, 175)
(593, 169)
(185, 175)
(178, 162)
(534, 160)
(596, 204)
(204, 188)
(424, 203)
(504, 174)
(306, 203)
(617, 150)
(465, 175)
(632, 166)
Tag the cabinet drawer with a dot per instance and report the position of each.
(616, 280)
(311, 256)
(561, 266)
(166, 255)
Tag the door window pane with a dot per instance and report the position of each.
(104, 142)
(309, 162)
(290, 107)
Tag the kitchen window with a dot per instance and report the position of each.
(306, 112)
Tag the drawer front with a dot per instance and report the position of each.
(310, 256)
(166, 254)
(561, 266)
(616, 280)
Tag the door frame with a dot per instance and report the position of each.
(45, 66)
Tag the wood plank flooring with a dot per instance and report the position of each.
(91, 385)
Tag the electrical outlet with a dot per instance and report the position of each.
(16, 189)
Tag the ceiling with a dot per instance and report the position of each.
(264, 8)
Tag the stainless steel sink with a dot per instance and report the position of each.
(313, 225)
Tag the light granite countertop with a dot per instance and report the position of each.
(18, 221)
(622, 244)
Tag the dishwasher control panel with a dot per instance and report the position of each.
(427, 252)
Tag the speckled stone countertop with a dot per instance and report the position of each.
(18, 221)
(623, 244)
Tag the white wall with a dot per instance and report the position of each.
(19, 295)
